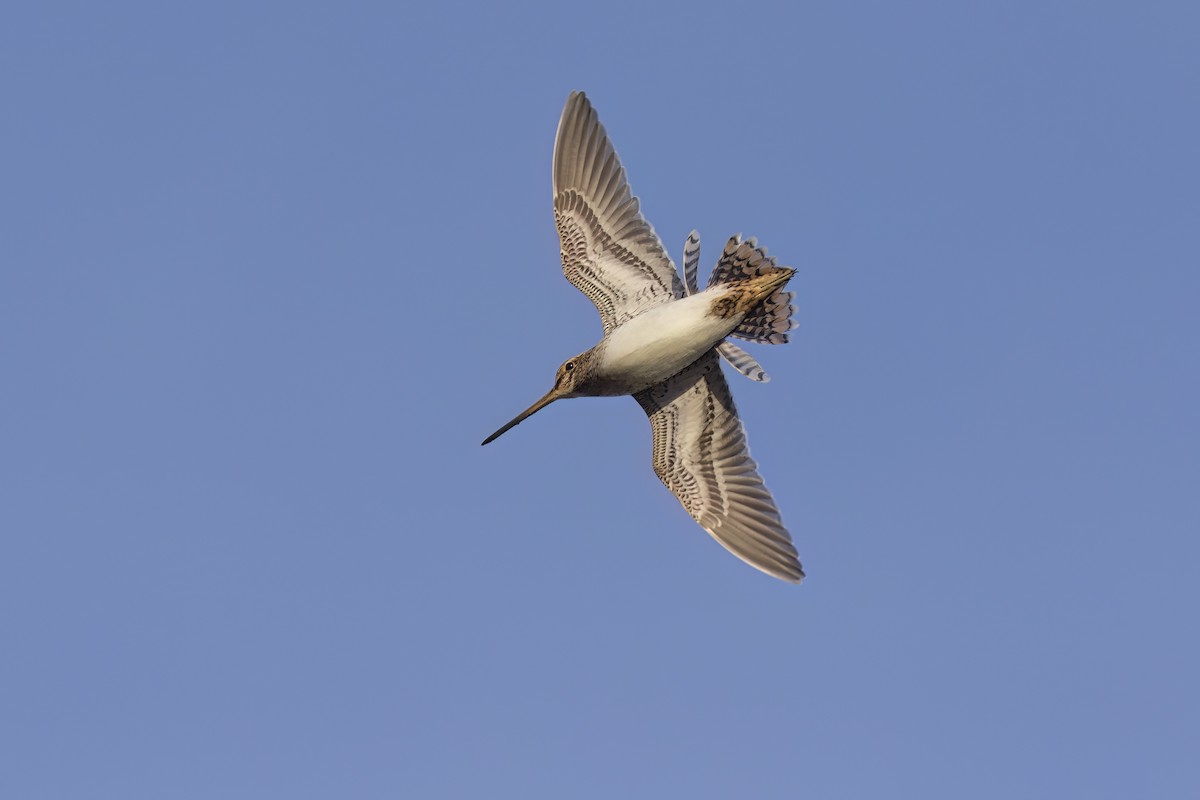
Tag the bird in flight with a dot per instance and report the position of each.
(662, 339)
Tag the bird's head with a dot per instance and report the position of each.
(572, 374)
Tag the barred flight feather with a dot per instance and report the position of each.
(700, 454)
(609, 251)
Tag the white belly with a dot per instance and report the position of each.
(655, 345)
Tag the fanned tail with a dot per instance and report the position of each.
(769, 321)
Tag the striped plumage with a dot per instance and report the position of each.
(662, 337)
(770, 321)
(700, 454)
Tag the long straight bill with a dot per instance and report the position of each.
(546, 400)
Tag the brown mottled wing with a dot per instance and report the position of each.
(700, 453)
(608, 250)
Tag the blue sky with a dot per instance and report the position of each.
(270, 272)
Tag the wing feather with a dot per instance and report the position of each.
(609, 251)
(700, 454)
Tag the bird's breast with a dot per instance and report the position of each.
(656, 344)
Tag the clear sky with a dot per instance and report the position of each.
(269, 272)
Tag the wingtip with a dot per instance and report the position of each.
(786, 571)
(791, 573)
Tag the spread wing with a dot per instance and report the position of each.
(700, 453)
(609, 251)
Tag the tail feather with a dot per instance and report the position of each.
(769, 321)
(742, 361)
(691, 260)
(741, 260)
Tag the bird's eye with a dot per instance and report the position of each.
(570, 365)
